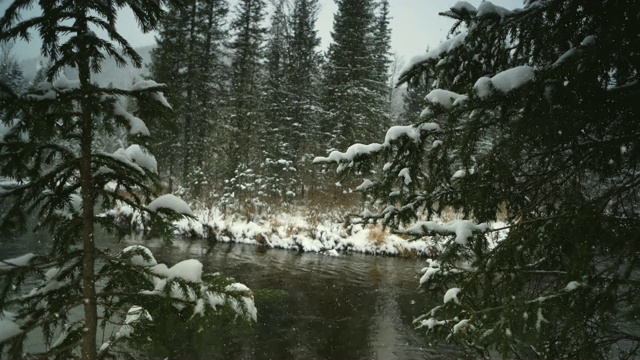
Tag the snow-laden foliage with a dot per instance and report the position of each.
(53, 170)
(537, 125)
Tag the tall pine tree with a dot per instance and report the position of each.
(304, 89)
(190, 59)
(354, 99)
(246, 102)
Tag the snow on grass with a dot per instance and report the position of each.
(299, 229)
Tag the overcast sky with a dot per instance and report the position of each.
(415, 25)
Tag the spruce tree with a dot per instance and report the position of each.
(55, 173)
(381, 50)
(276, 151)
(414, 100)
(354, 85)
(304, 89)
(246, 102)
(10, 72)
(534, 123)
(190, 60)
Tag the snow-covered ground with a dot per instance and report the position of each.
(296, 230)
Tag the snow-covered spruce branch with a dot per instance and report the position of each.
(462, 229)
(33, 324)
(361, 151)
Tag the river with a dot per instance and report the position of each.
(347, 307)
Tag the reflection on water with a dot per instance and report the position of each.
(347, 307)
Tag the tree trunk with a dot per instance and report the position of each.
(188, 120)
(89, 251)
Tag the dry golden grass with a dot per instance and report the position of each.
(406, 253)
(377, 235)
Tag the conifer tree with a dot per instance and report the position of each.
(291, 101)
(55, 173)
(304, 84)
(414, 100)
(356, 111)
(246, 102)
(534, 122)
(10, 72)
(190, 60)
(277, 153)
(381, 50)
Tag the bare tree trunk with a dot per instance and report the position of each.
(89, 251)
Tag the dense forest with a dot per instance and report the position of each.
(522, 123)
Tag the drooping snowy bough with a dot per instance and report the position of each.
(536, 126)
(55, 171)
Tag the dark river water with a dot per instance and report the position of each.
(315, 306)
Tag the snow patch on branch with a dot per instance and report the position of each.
(463, 229)
(144, 85)
(393, 134)
(171, 202)
(8, 328)
(188, 270)
(445, 46)
(430, 271)
(19, 261)
(445, 98)
(366, 184)
(139, 260)
(487, 8)
(352, 152)
(505, 81)
(138, 127)
(149, 84)
(63, 84)
(452, 294)
(431, 323)
(143, 158)
(463, 5)
(573, 285)
(405, 174)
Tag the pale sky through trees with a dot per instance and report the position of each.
(415, 24)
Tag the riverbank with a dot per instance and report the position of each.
(296, 229)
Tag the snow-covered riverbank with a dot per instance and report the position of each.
(294, 230)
